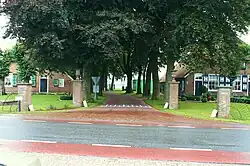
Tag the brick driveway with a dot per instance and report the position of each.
(118, 109)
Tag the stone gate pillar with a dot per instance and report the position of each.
(223, 101)
(25, 93)
(173, 95)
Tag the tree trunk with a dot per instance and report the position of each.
(2, 87)
(112, 83)
(148, 80)
(139, 81)
(88, 87)
(106, 82)
(101, 87)
(85, 89)
(129, 81)
(144, 79)
(170, 68)
(156, 84)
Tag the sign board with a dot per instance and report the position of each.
(96, 88)
(96, 80)
(19, 98)
(31, 108)
(214, 113)
(85, 104)
(166, 105)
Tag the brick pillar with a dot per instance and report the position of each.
(223, 101)
(25, 92)
(173, 95)
(78, 93)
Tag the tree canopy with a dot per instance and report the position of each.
(125, 36)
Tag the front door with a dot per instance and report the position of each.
(43, 85)
(198, 85)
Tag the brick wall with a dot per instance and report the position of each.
(67, 83)
(52, 89)
(189, 89)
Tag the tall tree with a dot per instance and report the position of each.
(4, 68)
(26, 68)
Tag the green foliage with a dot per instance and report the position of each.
(25, 67)
(66, 97)
(203, 89)
(117, 37)
(4, 64)
(183, 98)
(204, 99)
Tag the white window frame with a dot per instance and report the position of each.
(10, 77)
(240, 84)
(61, 86)
(218, 81)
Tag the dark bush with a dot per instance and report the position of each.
(203, 89)
(183, 98)
(66, 97)
(204, 99)
(197, 98)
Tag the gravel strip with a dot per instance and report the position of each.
(68, 160)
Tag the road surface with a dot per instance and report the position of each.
(227, 139)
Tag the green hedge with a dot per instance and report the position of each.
(66, 98)
(240, 100)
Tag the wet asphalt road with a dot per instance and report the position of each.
(138, 136)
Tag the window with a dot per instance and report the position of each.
(245, 80)
(198, 76)
(56, 82)
(61, 83)
(8, 80)
(237, 83)
(33, 80)
(222, 79)
(212, 82)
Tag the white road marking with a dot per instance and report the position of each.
(49, 142)
(188, 127)
(82, 123)
(209, 150)
(234, 129)
(118, 146)
(6, 141)
(41, 121)
(128, 125)
(9, 117)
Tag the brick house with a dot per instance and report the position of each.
(56, 83)
(190, 83)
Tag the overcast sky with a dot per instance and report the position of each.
(8, 43)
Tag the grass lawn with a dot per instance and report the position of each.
(47, 103)
(239, 112)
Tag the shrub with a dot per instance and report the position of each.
(51, 107)
(204, 99)
(203, 89)
(183, 98)
(197, 98)
(66, 106)
(66, 97)
(213, 98)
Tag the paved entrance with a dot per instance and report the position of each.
(124, 101)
